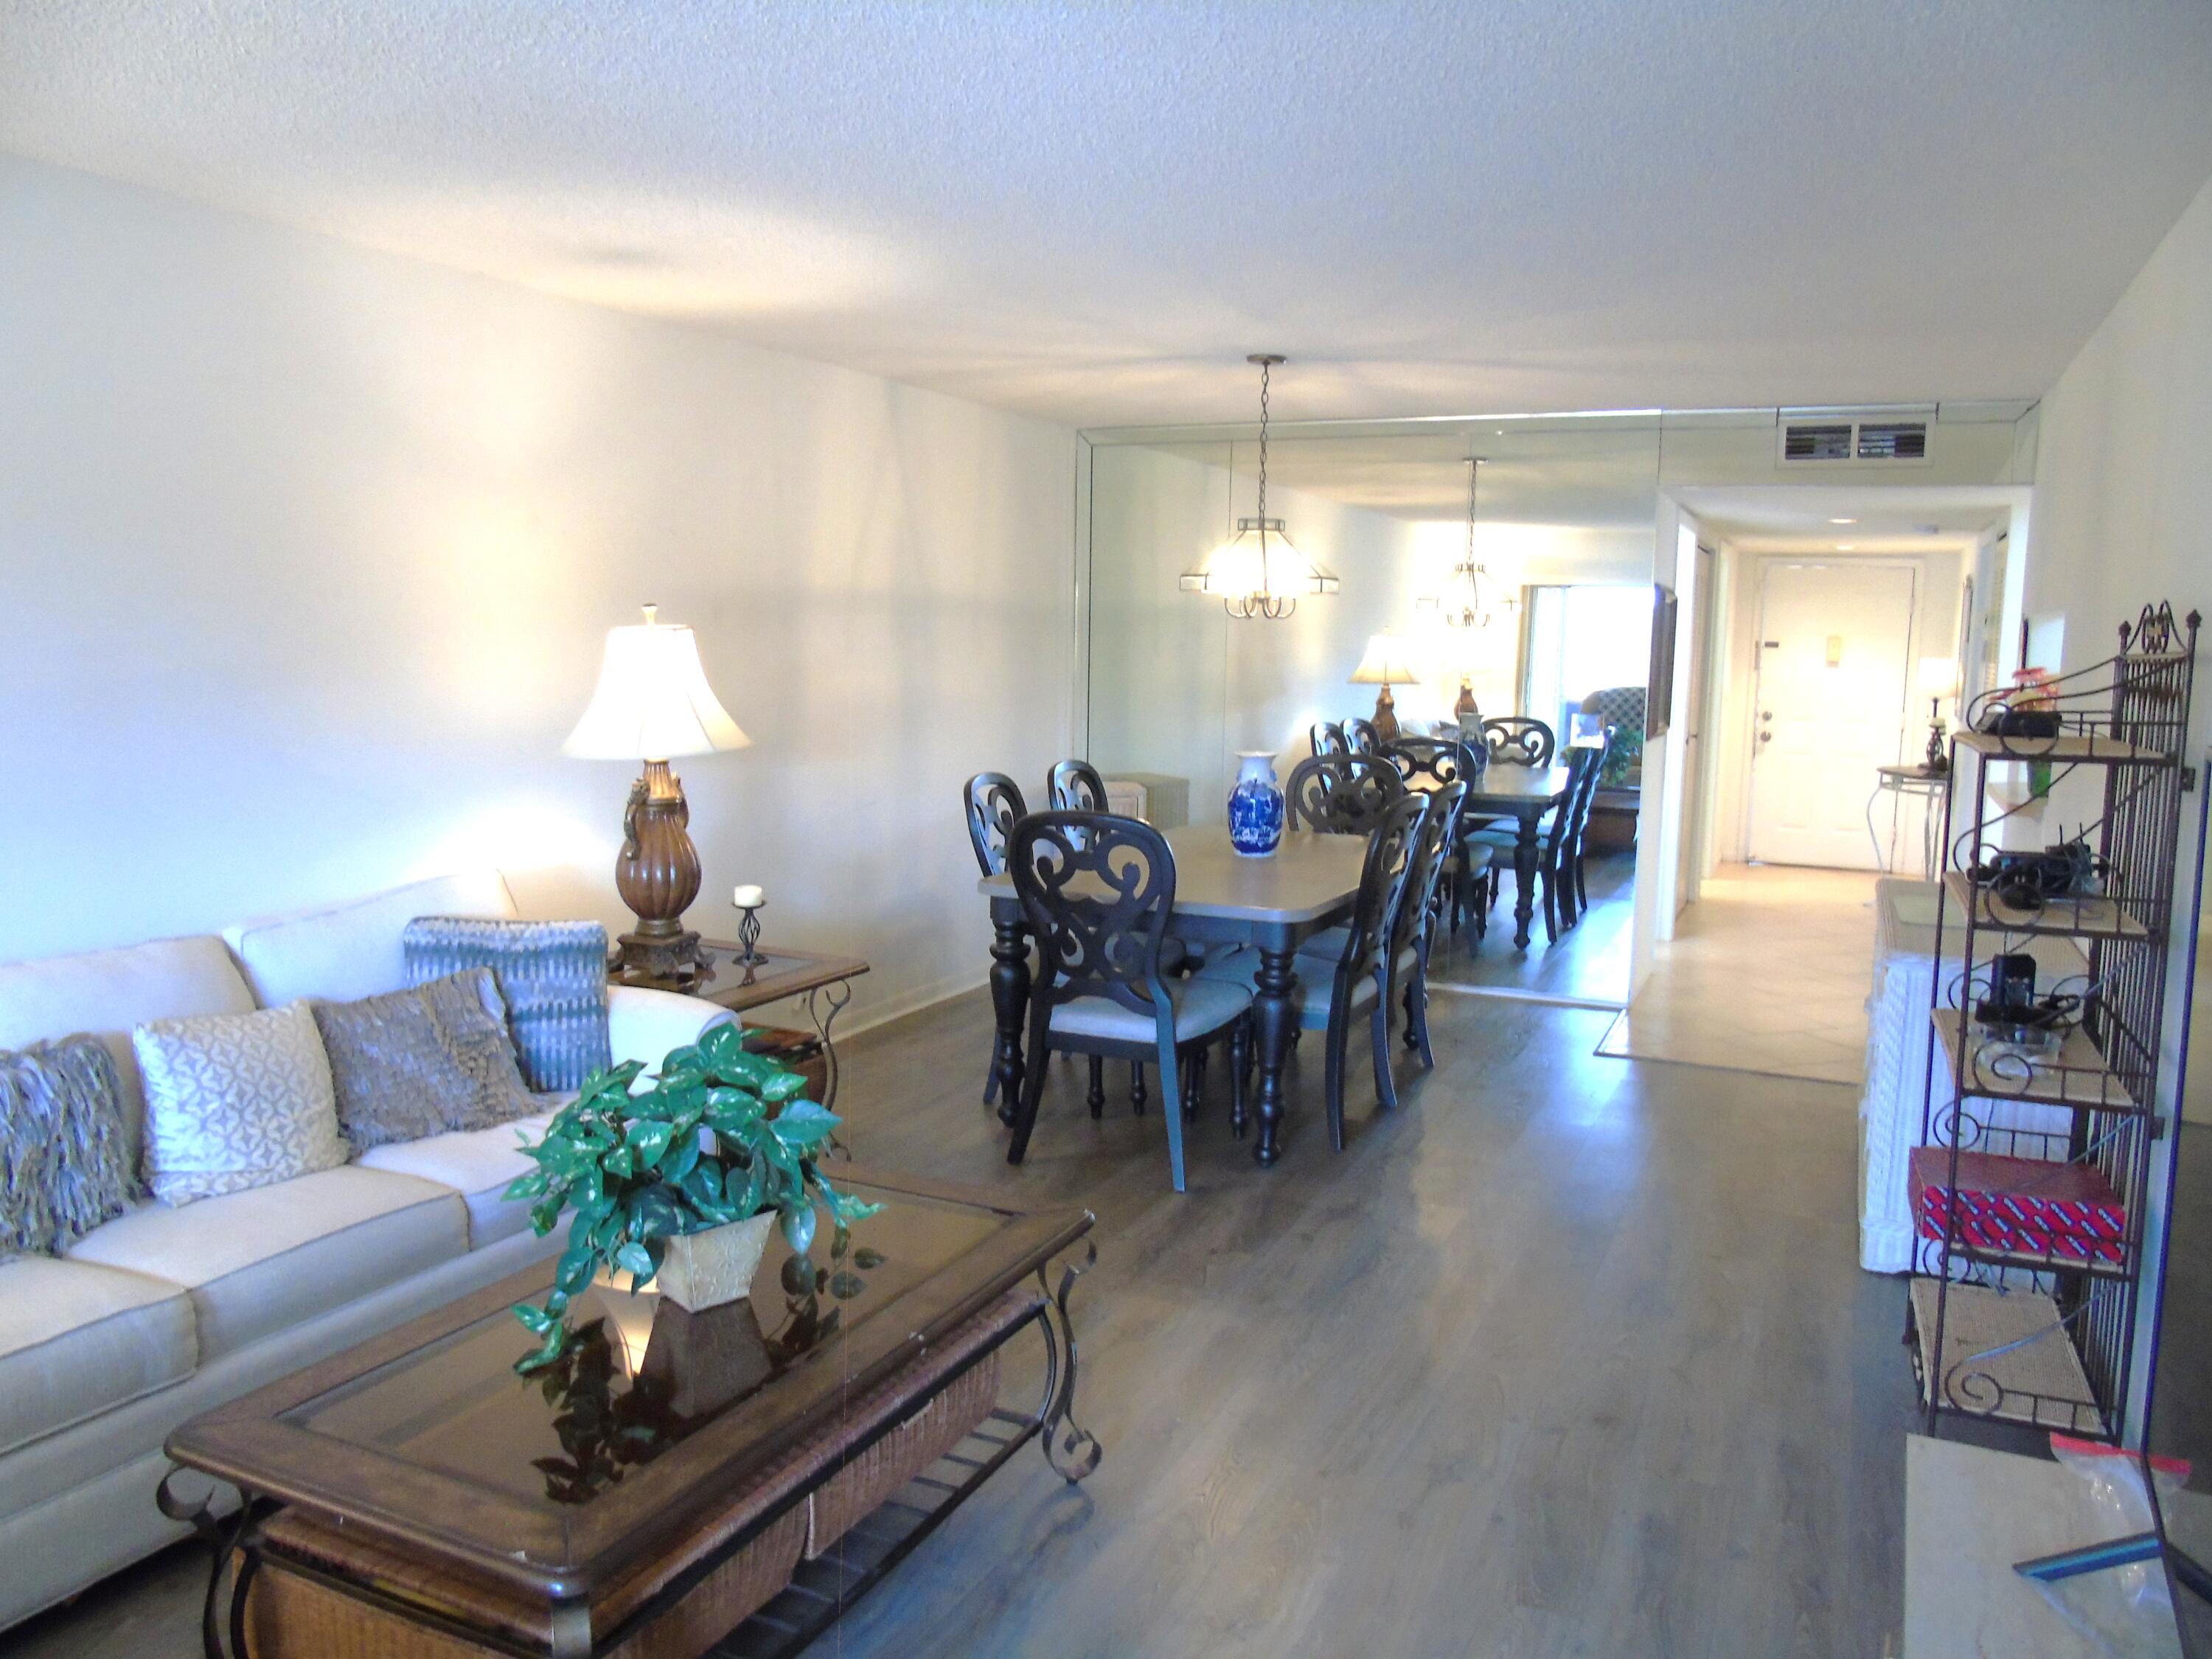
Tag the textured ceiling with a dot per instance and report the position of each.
(1091, 212)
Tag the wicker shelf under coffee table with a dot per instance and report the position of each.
(679, 1485)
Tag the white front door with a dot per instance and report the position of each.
(1833, 643)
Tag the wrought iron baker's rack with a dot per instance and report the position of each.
(2026, 1325)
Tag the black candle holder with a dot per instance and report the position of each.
(749, 955)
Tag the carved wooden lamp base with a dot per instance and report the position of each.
(1386, 716)
(657, 875)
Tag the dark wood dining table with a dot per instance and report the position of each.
(1523, 794)
(1274, 904)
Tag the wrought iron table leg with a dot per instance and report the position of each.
(824, 1003)
(236, 1555)
(1273, 1019)
(1524, 877)
(1010, 996)
(1073, 1451)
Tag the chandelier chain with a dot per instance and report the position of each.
(1264, 367)
(1473, 471)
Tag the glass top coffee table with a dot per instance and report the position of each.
(648, 1479)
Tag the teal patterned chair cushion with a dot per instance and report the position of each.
(64, 1158)
(551, 975)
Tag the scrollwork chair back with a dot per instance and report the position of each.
(1519, 740)
(993, 805)
(1328, 738)
(1362, 736)
(1343, 794)
(1077, 787)
(1097, 889)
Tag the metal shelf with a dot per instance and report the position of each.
(2040, 1384)
(2090, 748)
(2075, 1076)
(2065, 918)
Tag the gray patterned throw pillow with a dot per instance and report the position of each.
(423, 1061)
(235, 1100)
(551, 975)
(64, 1159)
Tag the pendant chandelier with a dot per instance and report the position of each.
(1256, 572)
(1470, 592)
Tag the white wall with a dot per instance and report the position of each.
(2124, 515)
(1177, 685)
(307, 553)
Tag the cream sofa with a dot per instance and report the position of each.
(164, 1313)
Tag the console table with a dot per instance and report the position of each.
(677, 1485)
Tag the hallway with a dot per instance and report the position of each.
(1768, 972)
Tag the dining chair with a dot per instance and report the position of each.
(1326, 737)
(1076, 787)
(1552, 831)
(993, 805)
(1431, 764)
(1362, 736)
(1343, 795)
(1418, 911)
(1333, 991)
(1578, 886)
(1098, 891)
(1520, 740)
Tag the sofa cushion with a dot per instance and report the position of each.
(258, 1262)
(65, 1162)
(422, 1061)
(552, 977)
(346, 951)
(234, 1101)
(76, 1340)
(477, 1163)
(644, 1024)
(107, 993)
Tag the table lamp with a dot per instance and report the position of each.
(1939, 679)
(1386, 664)
(653, 704)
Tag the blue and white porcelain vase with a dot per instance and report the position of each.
(1255, 806)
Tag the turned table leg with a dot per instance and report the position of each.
(1010, 996)
(1275, 1018)
(1524, 877)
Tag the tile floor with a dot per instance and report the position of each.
(1768, 972)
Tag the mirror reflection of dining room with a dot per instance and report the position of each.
(1481, 607)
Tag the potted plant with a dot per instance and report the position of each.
(679, 1180)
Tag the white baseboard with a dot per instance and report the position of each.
(914, 1001)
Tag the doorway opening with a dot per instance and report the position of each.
(1834, 622)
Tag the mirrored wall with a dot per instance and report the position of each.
(1566, 513)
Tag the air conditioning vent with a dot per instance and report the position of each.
(1814, 443)
(1894, 440)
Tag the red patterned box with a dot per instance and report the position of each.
(2066, 1211)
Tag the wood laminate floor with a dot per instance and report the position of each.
(1568, 1356)
(1588, 963)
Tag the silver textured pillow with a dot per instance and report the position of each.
(235, 1100)
(423, 1061)
(65, 1164)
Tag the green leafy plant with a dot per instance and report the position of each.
(1624, 757)
(718, 1135)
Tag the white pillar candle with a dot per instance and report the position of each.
(747, 898)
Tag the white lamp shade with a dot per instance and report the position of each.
(1939, 676)
(1385, 664)
(653, 701)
